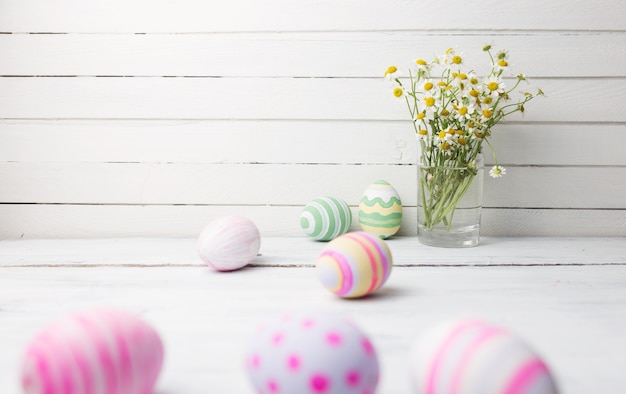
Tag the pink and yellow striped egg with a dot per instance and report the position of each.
(98, 351)
(355, 264)
(471, 356)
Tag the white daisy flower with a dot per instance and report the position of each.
(497, 171)
(494, 86)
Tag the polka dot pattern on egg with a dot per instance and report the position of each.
(311, 353)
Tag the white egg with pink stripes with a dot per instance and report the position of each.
(472, 356)
(229, 243)
(98, 351)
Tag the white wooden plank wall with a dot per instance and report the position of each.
(150, 118)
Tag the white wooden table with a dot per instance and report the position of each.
(567, 297)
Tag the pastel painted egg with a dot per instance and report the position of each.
(99, 351)
(471, 356)
(229, 243)
(355, 264)
(326, 218)
(380, 210)
(311, 353)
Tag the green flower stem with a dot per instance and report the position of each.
(442, 193)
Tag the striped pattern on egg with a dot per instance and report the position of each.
(99, 351)
(355, 264)
(471, 356)
(229, 243)
(380, 210)
(326, 218)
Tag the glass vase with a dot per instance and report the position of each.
(449, 204)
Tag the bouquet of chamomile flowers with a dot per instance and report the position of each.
(453, 113)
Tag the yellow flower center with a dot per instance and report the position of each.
(430, 101)
(391, 70)
(492, 86)
(442, 134)
(502, 63)
(451, 131)
(462, 76)
(463, 111)
(398, 92)
(460, 132)
(420, 116)
(445, 145)
(474, 81)
(421, 62)
(422, 132)
(474, 93)
(488, 100)
(445, 112)
(428, 85)
(487, 113)
(441, 84)
(457, 59)
(478, 134)
(449, 50)
(462, 141)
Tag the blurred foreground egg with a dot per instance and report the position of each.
(311, 353)
(229, 243)
(355, 264)
(99, 351)
(326, 218)
(380, 209)
(471, 356)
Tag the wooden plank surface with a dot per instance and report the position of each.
(300, 251)
(93, 221)
(324, 54)
(189, 16)
(270, 98)
(263, 184)
(572, 314)
(256, 141)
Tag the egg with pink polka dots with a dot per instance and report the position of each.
(312, 353)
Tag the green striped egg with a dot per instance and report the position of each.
(326, 218)
(380, 209)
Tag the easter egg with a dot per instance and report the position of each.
(380, 210)
(326, 218)
(311, 353)
(354, 264)
(471, 356)
(98, 351)
(229, 243)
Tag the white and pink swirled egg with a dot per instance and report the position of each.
(98, 351)
(229, 243)
(471, 356)
(311, 353)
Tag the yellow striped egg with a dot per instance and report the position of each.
(354, 264)
(380, 209)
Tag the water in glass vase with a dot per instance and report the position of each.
(449, 205)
